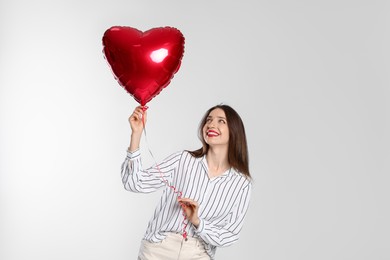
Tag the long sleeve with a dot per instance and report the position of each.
(223, 201)
(227, 234)
(135, 179)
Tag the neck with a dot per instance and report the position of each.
(217, 162)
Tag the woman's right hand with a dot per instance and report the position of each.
(137, 120)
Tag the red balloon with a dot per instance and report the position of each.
(143, 62)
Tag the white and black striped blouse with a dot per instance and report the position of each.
(223, 200)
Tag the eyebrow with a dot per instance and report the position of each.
(220, 117)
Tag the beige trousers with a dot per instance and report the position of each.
(173, 247)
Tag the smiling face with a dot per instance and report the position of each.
(216, 130)
(221, 127)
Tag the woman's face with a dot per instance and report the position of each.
(216, 130)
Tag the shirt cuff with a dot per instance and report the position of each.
(133, 154)
(200, 226)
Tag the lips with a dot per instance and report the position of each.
(212, 133)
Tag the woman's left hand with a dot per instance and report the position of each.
(190, 208)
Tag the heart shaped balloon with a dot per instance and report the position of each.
(143, 62)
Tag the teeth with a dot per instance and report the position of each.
(212, 133)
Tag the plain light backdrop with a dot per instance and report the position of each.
(309, 78)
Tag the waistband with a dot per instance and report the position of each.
(177, 237)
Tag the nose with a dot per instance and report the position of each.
(210, 124)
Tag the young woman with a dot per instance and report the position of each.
(206, 192)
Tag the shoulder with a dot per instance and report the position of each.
(179, 155)
(246, 183)
(184, 158)
(175, 156)
(185, 154)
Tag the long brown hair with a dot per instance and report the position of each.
(238, 148)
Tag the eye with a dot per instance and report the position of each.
(222, 121)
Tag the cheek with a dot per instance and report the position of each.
(203, 134)
(226, 131)
(204, 130)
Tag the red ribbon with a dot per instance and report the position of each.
(179, 193)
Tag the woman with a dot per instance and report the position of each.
(206, 191)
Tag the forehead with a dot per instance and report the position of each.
(218, 112)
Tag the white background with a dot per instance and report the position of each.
(309, 78)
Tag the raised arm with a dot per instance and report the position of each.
(134, 177)
(137, 122)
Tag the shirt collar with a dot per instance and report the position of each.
(227, 173)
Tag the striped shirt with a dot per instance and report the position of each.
(223, 200)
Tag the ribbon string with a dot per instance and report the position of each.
(173, 188)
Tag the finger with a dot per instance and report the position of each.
(140, 112)
(137, 115)
(188, 211)
(184, 200)
(188, 202)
